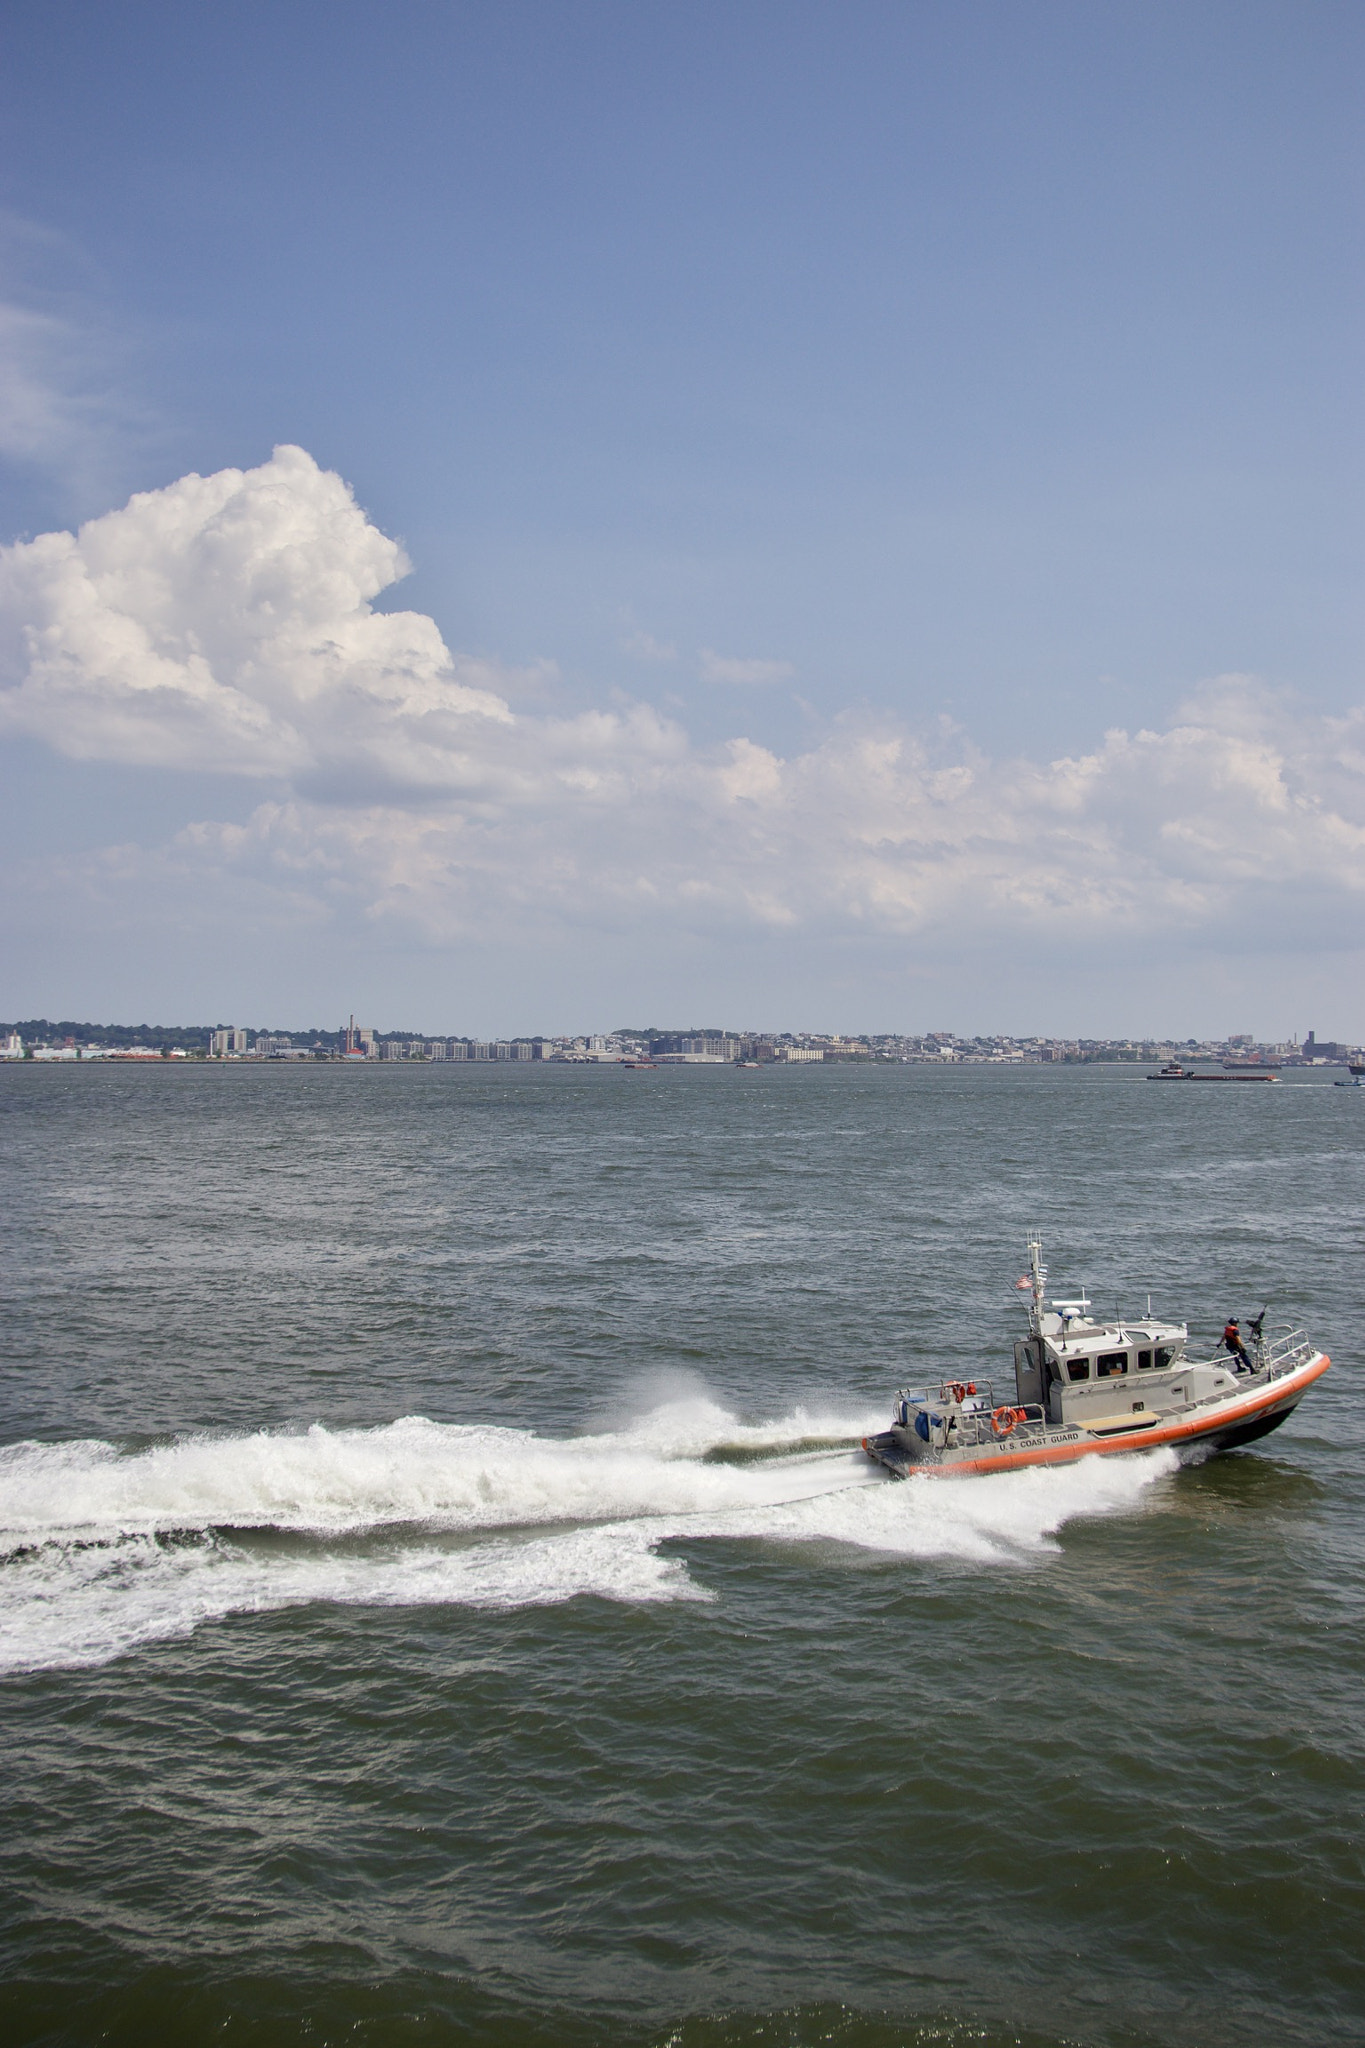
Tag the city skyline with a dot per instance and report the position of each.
(700, 1044)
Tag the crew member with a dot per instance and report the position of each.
(1232, 1338)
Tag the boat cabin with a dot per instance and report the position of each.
(1073, 1367)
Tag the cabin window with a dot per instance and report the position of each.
(1144, 1360)
(1111, 1362)
(1164, 1357)
(1078, 1368)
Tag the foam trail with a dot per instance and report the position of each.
(457, 1477)
(476, 1517)
(86, 1605)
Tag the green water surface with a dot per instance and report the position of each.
(1066, 1766)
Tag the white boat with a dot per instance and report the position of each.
(1082, 1388)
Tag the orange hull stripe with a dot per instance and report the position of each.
(1139, 1440)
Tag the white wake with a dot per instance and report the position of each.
(101, 1551)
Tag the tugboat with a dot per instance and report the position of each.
(1083, 1387)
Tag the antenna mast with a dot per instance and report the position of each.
(1039, 1273)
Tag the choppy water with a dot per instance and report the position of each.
(440, 1598)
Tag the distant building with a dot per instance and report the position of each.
(232, 1040)
(713, 1045)
(357, 1044)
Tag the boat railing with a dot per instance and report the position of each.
(1273, 1358)
(950, 1394)
(1285, 1352)
(980, 1393)
(995, 1425)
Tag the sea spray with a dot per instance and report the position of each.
(104, 1551)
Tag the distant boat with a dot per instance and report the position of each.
(1173, 1071)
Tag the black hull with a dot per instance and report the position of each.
(1248, 1432)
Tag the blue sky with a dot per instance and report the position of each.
(974, 380)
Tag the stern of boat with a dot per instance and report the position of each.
(891, 1450)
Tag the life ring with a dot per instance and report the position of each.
(1004, 1421)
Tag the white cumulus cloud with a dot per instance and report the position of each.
(228, 623)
